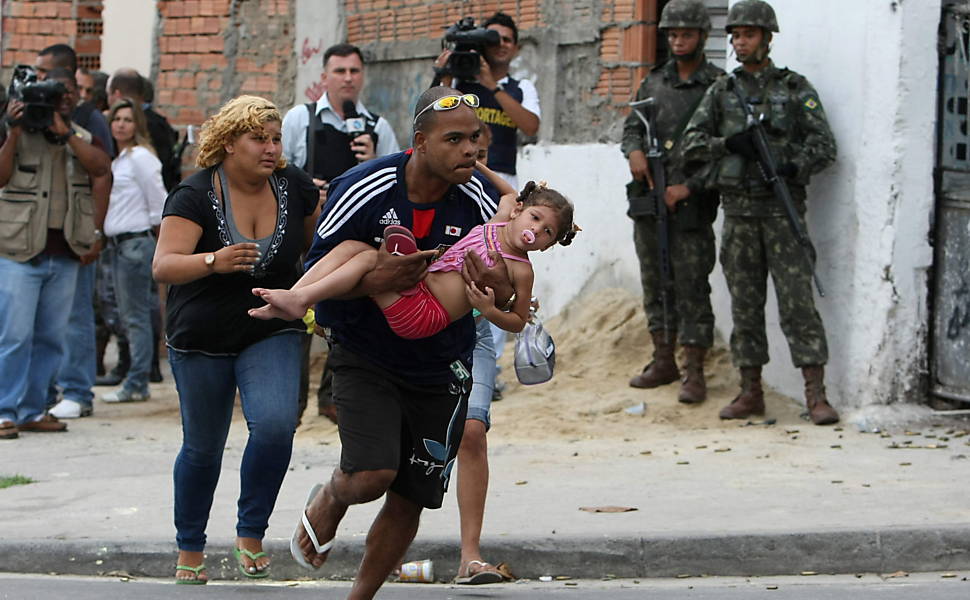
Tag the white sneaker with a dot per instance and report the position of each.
(69, 409)
(124, 395)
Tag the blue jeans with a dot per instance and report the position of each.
(268, 377)
(483, 375)
(79, 368)
(35, 302)
(132, 263)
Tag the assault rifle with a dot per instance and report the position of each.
(654, 152)
(769, 169)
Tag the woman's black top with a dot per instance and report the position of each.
(210, 314)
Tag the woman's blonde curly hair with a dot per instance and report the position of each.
(236, 117)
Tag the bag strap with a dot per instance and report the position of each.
(313, 125)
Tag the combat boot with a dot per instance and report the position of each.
(120, 370)
(101, 337)
(663, 368)
(693, 388)
(819, 409)
(751, 400)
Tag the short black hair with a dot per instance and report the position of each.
(62, 74)
(342, 50)
(147, 90)
(421, 123)
(63, 56)
(128, 82)
(500, 18)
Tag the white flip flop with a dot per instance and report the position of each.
(295, 549)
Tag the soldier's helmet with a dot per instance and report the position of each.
(752, 13)
(688, 14)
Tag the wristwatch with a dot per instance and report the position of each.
(210, 259)
(498, 89)
(99, 234)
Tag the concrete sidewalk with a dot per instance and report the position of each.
(756, 500)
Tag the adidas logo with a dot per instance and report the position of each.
(390, 218)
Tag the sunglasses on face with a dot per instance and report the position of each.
(449, 103)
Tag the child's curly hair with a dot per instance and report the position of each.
(237, 117)
(537, 194)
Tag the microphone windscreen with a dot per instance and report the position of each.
(350, 109)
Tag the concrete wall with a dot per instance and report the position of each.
(319, 26)
(129, 35)
(870, 214)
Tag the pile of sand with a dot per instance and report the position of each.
(601, 341)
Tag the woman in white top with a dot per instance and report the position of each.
(134, 214)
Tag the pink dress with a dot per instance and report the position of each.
(481, 239)
(417, 313)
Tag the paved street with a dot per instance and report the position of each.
(935, 586)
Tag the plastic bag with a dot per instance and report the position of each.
(535, 353)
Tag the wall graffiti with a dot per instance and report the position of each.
(308, 51)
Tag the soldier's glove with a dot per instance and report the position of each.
(788, 170)
(743, 144)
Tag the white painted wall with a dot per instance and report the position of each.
(319, 25)
(870, 214)
(129, 35)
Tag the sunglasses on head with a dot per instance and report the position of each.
(449, 103)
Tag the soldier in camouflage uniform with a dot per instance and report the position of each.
(677, 87)
(757, 239)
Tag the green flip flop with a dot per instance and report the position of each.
(239, 553)
(193, 581)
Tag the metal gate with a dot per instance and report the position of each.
(950, 346)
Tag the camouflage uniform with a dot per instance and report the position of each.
(757, 239)
(690, 234)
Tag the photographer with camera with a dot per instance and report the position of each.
(477, 61)
(48, 169)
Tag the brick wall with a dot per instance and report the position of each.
(628, 47)
(212, 50)
(31, 25)
(586, 55)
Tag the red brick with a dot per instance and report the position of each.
(184, 98)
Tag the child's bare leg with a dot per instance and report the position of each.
(330, 281)
(342, 252)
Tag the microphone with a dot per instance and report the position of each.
(353, 122)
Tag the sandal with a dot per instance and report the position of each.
(239, 553)
(295, 549)
(399, 241)
(190, 581)
(485, 573)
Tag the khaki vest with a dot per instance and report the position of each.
(25, 201)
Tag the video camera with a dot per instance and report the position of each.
(467, 43)
(40, 98)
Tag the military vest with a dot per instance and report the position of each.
(25, 201)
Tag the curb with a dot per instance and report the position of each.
(831, 552)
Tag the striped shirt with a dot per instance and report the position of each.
(360, 204)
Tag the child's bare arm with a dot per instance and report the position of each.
(508, 195)
(516, 318)
(503, 187)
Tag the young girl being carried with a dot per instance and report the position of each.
(535, 220)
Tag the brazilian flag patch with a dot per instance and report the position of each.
(811, 104)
